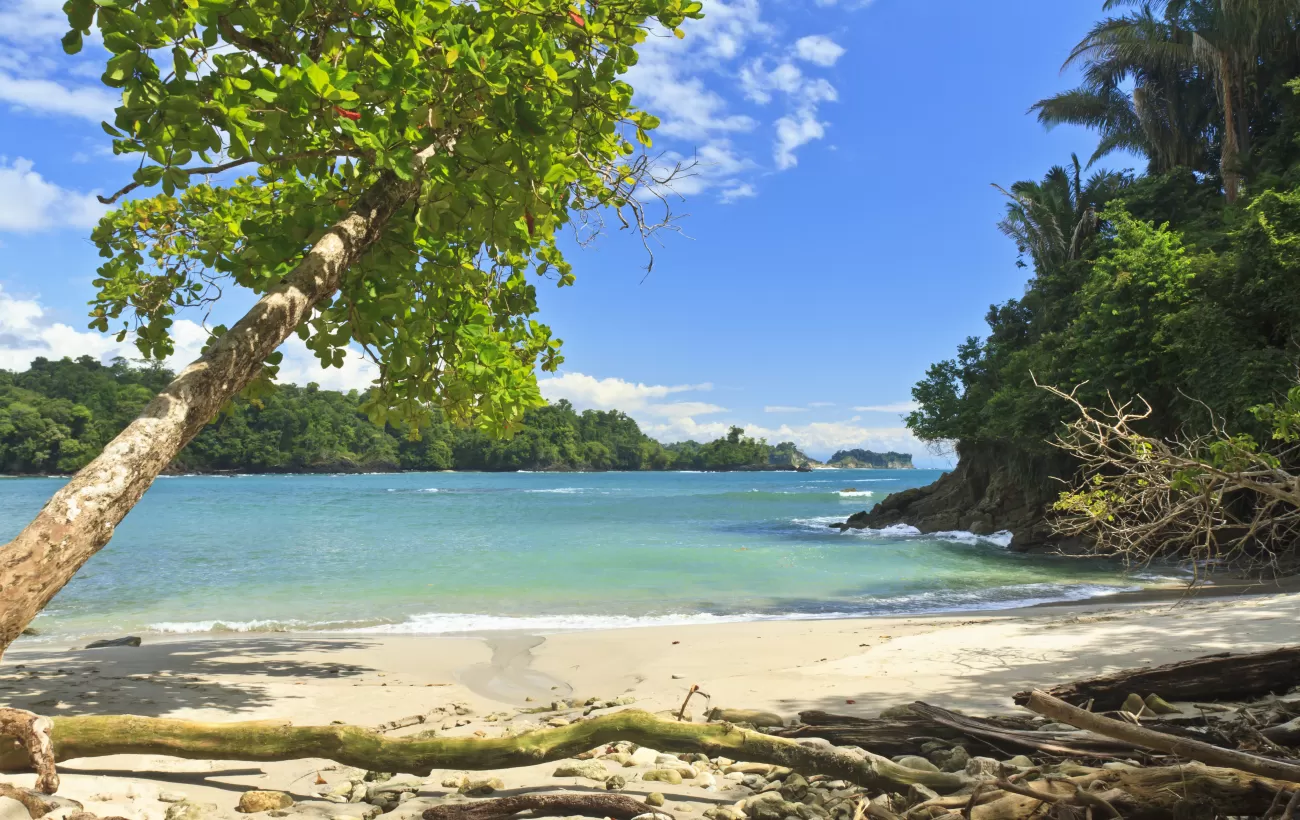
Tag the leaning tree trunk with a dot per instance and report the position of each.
(81, 517)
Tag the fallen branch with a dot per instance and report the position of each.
(1054, 743)
(37, 803)
(1233, 677)
(96, 736)
(1045, 704)
(616, 806)
(33, 733)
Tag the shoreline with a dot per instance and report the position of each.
(488, 685)
(1166, 592)
(518, 666)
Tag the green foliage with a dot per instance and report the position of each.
(732, 452)
(56, 416)
(1201, 322)
(521, 102)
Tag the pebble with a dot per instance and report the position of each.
(170, 797)
(663, 776)
(590, 769)
(615, 782)
(654, 799)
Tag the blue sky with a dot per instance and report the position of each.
(838, 235)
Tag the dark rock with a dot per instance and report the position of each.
(991, 490)
(130, 640)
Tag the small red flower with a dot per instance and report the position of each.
(352, 115)
(577, 19)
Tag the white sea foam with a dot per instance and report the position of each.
(856, 493)
(560, 490)
(442, 623)
(822, 523)
(193, 627)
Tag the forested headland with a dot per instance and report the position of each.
(1175, 287)
(57, 415)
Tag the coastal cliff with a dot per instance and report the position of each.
(991, 490)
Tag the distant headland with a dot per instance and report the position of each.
(57, 415)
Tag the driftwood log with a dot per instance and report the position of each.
(33, 735)
(1045, 704)
(96, 736)
(1062, 744)
(1214, 677)
(616, 806)
(904, 735)
(1156, 793)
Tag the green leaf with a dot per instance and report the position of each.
(72, 42)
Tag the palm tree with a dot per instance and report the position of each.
(1195, 68)
(1053, 219)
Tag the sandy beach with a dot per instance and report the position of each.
(486, 683)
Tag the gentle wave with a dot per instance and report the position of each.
(856, 493)
(822, 523)
(447, 623)
(191, 627)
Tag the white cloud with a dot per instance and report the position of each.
(803, 96)
(27, 332)
(818, 49)
(896, 407)
(29, 202)
(821, 404)
(49, 97)
(737, 191)
(690, 84)
(33, 20)
(793, 132)
(589, 393)
(780, 408)
(680, 420)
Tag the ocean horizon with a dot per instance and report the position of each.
(455, 552)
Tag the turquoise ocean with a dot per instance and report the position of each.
(431, 553)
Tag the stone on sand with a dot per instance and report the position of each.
(590, 769)
(189, 810)
(259, 800)
(671, 776)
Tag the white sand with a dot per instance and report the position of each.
(848, 666)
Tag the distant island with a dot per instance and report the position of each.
(868, 460)
(57, 415)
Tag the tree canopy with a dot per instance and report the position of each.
(499, 121)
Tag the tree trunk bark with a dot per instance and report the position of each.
(1230, 162)
(80, 519)
(76, 737)
(1214, 677)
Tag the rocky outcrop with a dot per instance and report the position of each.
(868, 460)
(989, 491)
